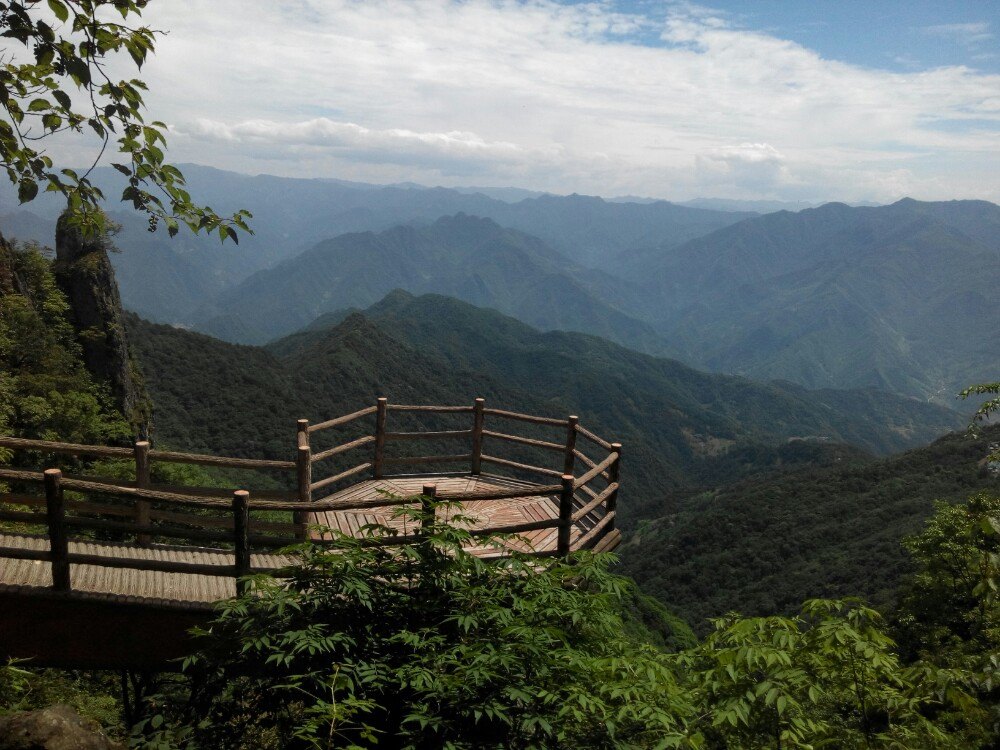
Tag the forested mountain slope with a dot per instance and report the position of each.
(292, 215)
(682, 428)
(462, 256)
(895, 297)
(763, 545)
(46, 390)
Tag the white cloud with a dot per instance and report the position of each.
(560, 98)
(966, 33)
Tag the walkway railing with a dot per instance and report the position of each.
(246, 519)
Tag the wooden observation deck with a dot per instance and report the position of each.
(133, 564)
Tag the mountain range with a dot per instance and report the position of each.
(894, 297)
(682, 428)
(462, 256)
(291, 215)
(764, 544)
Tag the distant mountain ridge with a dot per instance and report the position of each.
(894, 297)
(682, 428)
(470, 258)
(293, 214)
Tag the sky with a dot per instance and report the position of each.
(796, 100)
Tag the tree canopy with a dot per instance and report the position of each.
(60, 83)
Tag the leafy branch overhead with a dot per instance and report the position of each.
(60, 84)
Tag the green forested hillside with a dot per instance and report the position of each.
(292, 215)
(45, 389)
(763, 545)
(894, 297)
(681, 428)
(462, 256)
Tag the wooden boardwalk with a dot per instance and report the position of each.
(129, 583)
(68, 597)
(511, 511)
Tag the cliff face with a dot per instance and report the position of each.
(85, 275)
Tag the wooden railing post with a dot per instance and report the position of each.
(55, 513)
(142, 481)
(427, 510)
(241, 538)
(478, 418)
(565, 513)
(569, 462)
(613, 474)
(303, 468)
(381, 408)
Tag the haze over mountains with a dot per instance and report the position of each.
(892, 297)
(683, 428)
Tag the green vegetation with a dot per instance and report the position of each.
(429, 646)
(682, 429)
(764, 544)
(45, 390)
(894, 297)
(76, 55)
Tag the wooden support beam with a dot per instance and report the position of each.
(478, 419)
(303, 470)
(241, 539)
(565, 514)
(55, 513)
(381, 408)
(142, 480)
(569, 461)
(613, 477)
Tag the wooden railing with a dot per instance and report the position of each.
(203, 514)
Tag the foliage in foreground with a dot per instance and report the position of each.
(61, 82)
(429, 646)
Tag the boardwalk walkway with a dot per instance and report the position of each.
(129, 582)
(69, 596)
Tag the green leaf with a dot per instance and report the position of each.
(60, 10)
(27, 190)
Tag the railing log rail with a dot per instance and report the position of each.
(150, 511)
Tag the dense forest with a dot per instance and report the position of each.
(682, 429)
(801, 517)
(762, 545)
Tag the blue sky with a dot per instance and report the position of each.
(889, 34)
(807, 100)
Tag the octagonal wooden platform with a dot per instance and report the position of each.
(482, 513)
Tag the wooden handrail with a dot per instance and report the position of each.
(430, 435)
(228, 462)
(233, 523)
(526, 417)
(430, 408)
(336, 478)
(594, 438)
(601, 467)
(589, 462)
(607, 522)
(337, 450)
(427, 459)
(478, 420)
(342, 420)
(76, 449)
(523, 467)
(525, 441)
(594, 504)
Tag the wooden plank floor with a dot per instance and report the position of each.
(128, 583)
(505, 512)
